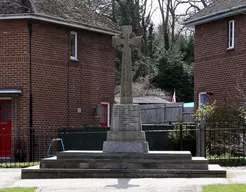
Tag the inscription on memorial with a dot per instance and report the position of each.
(127, 117)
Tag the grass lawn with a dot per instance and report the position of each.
(224, 188)
(18, 190)
(18, 165)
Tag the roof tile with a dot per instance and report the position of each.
(70, 10)
(14, 6)
(219, 6)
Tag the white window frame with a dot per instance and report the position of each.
(199, 98)
(75, 58)
(5, 98)
(108, 104)
(231, 44)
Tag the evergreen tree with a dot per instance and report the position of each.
(174, 73)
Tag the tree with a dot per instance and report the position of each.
(137, 14)
(174, 73)
(167, 55)
(165, 10)
(187, 48)
(170, 19)
(102, 6)
(199, 4)
(194, 6)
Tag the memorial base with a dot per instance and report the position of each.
(126, 135)
(96, 164)
(125, 147)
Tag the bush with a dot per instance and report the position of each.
(225, 130)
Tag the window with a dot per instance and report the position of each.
(231, 34)
(73, 45)
(105, 114)
(202, 99)
(5, 110)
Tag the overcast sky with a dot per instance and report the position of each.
(157, 15)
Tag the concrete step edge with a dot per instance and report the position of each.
(201, 161)
(49, 170)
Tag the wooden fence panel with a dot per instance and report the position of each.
(173, 112)
(167, 113)
(152, 114)
(188, 115)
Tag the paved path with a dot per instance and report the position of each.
(11, 178)
(110, 185)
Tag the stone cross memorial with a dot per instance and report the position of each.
(126, 135)
(125, 42)
(126, 142)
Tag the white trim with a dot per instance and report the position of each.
(5, 98)
(59, 21)
(199, 97)
(75, 58)
(231, 46)
(10, 91)
(108, 104)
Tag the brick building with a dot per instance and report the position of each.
(220, 51)
(57, 65)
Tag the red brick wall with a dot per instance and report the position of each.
(89, 81)
(14, 73)
(216, 68)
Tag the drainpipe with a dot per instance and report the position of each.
(31, 130)
(68, 79)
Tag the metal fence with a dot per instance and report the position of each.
(220, 144)
(17, 152)
(16, 149)
(225, 144)
(159, 137)
(167, 113)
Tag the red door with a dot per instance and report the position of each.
(5, 128)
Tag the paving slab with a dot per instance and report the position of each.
(168, 189)
(9, 176)
(124, 185)
(236, 175)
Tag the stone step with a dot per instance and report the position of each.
(195, 163)
(154, 155)
(37, 173)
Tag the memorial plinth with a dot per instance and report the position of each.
(95, 164)
(126, 133)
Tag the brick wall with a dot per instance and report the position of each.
(14, 64)
(89, 81)
(60, 86)
(216, 68)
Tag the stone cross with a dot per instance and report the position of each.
(126, 41)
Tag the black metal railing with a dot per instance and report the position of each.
(226, 144)
(15, 148)
(160, 137)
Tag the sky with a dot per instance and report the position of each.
(157, 15)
